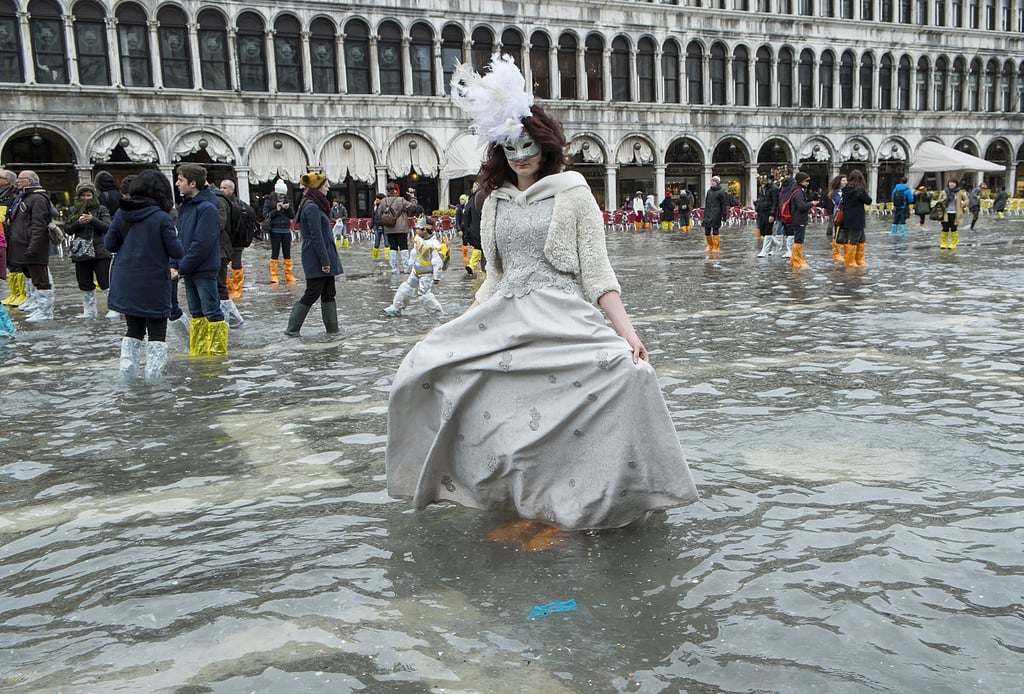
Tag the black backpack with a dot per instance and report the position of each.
(898, 198)
(243, 223)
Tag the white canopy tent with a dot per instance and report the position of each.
(946, 162)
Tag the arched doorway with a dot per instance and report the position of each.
(635, 157)
(998, 153)
(729, 162)
(589, 159)
(892, 168)
(122, 153)
(413, 162)
(684, 167)
(773, 155)
(49, 155)
(351, 168)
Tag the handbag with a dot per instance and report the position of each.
(55, 232)
(838, 219)
(937, 213)
(81, 249)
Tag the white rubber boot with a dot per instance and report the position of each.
(88, 304)
(111, 313)
(789, 247)
(766, 247)
(231, 314)
(156, 360)
(402, 297)
(131, 352)
(44, 306)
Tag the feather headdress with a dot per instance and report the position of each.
(497, 101)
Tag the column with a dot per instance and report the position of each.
(382, 178)
(374, 67)
(84, 173)
(1011, 179)
(872, 174)
(242, 189)
(439, 85)
(339, 49)
(659, 82)
(751, 187)
(69, 33)
(528, 68)
(154, 54)
(606, 73)
(443, 192)
(26, 37)
(115, 64)
(611, 198)
(634, 78)
(270, 60)
(704, 184)
(406, 68)
(659, 181)
(773, 82)
(233, 58)
(556, 76)
(194, 57)
(815, 77)
(307, 63)
(583, 91)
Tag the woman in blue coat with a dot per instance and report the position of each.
(320, 261)
(143, 235)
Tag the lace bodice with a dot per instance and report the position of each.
(520, 232)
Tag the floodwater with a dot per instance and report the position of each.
(856, 437)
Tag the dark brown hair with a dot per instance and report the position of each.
(546, 132)
(193, 173)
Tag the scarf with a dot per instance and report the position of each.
(82, 206)
(314, 195)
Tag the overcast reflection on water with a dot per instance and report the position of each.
(856, 437)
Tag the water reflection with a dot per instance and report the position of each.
(856, 439)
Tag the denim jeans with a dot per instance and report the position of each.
(202, 297)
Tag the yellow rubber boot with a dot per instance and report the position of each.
(954, 240)
(376, 253)
(796, 259)
(945, 240)
(197, 337)
(217, 341)
(273, 271)
(236, 284)
(387, 253)
(850, 255)
(860, 256)
(288, 276)
(16, 283)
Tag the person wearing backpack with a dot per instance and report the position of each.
(800, 203)
(901, 198)
(243, 230)
(767, 209)
(227, 217)
(394, 213)
(855, 197)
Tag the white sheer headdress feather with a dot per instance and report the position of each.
(497, 101)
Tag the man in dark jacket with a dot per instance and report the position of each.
(28, 240)
(199, 233)
(801, 203)
(716, 210)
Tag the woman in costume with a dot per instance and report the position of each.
(529, 401)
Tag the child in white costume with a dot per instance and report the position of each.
(425, 267)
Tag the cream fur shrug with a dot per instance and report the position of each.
(575, 243)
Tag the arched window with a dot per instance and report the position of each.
(906, 11)
(867, 81)
(885, 83)
(621, 76)
(827, 80)
(741, 76)
(886, 11)
(846, 71)
(11, 69)
(846, 9)
(323, 56)
(288, 55)
(921, 12)
(940, 83)
(940, 13)
(867, 10)
(593, 63)
(567, 66)
(694, 73)
(805, 8)
(922, 80)
(974, 86)
(357, 57)
(785, 77)
(645, 69)
(990, 15)
(670, 71)
(91, 43)
(175, 58)
(956, 84)
(717, 68)
(213, 50)
(957, 20)
(252, 58)
(903, 84)
(389, 58)
(421, 55)
(512, 44)
(482, 48)
(48, 52)
(1006, 89)
(540, 64)
(991, 85)
(805, 78)
(451, 53)
(133, 46)
(763, 76)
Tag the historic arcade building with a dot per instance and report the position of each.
(654, 95)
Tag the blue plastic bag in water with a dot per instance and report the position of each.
(552, 607)
(6, 326)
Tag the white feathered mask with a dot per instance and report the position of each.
(497, 102)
